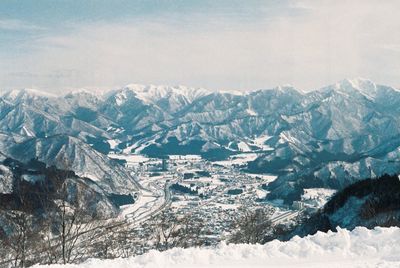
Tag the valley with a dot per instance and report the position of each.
(214, 191)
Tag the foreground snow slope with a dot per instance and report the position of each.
(359, 248)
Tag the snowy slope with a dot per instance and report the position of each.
(79, 157)
(6, 180)
(358, 248)
(26, 94)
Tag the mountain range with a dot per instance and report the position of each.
(329, 137)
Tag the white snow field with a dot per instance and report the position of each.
(359, 248)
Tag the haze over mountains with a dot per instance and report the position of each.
(325, 138)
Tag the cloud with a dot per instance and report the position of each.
(317, 44)
(18, 25)
(391, 47)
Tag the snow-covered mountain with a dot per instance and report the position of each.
(334, 135)
(45, 187)
(66, 152)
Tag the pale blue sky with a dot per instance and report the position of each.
(55, 45)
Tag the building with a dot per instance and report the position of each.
(298, 205)
(164, 165)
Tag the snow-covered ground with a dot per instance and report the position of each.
(150, 200)
(131, 159)
(260, 142)
(359, 248)
(317, 197)
(266, 178)
(238, 159)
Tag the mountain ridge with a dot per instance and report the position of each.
(345, 128)
(162, 87)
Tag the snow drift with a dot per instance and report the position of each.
(361, 247)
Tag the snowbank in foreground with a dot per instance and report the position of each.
(359, 248)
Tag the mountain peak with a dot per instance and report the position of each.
(362, 86)
(83, 91)
(153, 93)
(287, 88)
(26, 93)
(358, 83)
